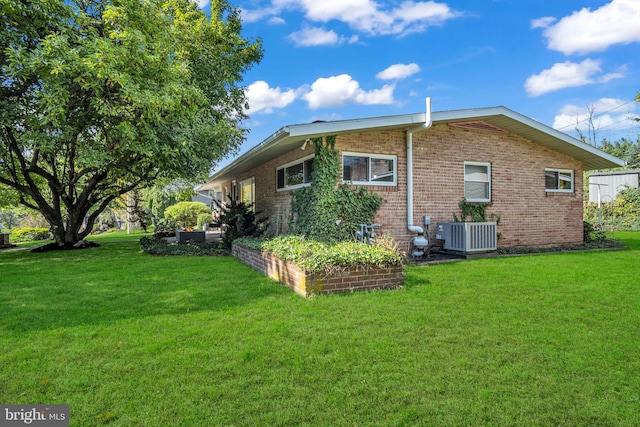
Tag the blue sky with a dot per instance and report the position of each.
(547, 59)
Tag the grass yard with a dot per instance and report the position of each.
(128, 339)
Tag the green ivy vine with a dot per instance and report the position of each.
(477, 211)
(326, 210)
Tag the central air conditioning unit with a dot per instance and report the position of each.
(468, 237)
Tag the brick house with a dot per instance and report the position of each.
(424, 164)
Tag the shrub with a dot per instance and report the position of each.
(240, 221)
(185, 214)
(159, 246)
(164, 227)
(203, 219)
(316, 256)
(623, 214)
(591, 233)
(30, 234)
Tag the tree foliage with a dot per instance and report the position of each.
(624, 149)
(185, 214)
(99, 97)
(623, 214)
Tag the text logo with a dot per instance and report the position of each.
(34, 415)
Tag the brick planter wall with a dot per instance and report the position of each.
(306, 284)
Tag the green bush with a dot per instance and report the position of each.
(159, 246)
(240, 221)
(204, 218)
(315, 256)
(185, 214)
(30, 234)
(164, 227)
(623, 214)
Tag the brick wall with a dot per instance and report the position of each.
(307, 284)
(529, 215)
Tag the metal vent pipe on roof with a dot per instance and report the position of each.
(426, 125)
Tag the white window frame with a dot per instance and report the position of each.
(302, 161)
(558, 172)
(488, 181)
(370, 156)
(248, 199)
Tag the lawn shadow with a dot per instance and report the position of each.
(117, 282)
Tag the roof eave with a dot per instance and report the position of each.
(516, 123)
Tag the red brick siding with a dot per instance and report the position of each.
(306, 284)
(529, 215)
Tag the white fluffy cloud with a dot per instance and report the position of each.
(325, 92)
(584, 31)
(263, 98)
(341, 90)
(608, 114)
(314, 36)
(568, 74)
(398, 71)
(365, 16)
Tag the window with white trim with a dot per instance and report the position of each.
(558, 180)
(477, 181)
(295, 174)
(369, 169)
(248, 191)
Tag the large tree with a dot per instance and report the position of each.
(99, 97)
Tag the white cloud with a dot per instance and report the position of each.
(587, 31)
(341, 90)
(608, 114)
(567, 74)
(315, 37)
(276, 20)
(366, 16)
(398, 71)
(263, 98)
(542, 22)
(203, 3)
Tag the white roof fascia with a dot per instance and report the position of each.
(563, 136)
(407, 121)
(485, 113)
(342, 126)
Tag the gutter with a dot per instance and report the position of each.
(426, 125)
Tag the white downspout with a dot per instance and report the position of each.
(426, 125)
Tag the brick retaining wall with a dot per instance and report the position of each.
(306, 284)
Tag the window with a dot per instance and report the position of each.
(295, 174)
(477, 181)
(558, 180)
(369, 169)
(234, 190)
(247, 191)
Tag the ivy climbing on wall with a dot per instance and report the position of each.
(327, 210)
(477, 211)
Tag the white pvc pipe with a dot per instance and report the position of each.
(426, 125)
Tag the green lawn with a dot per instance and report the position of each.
(130, 339)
